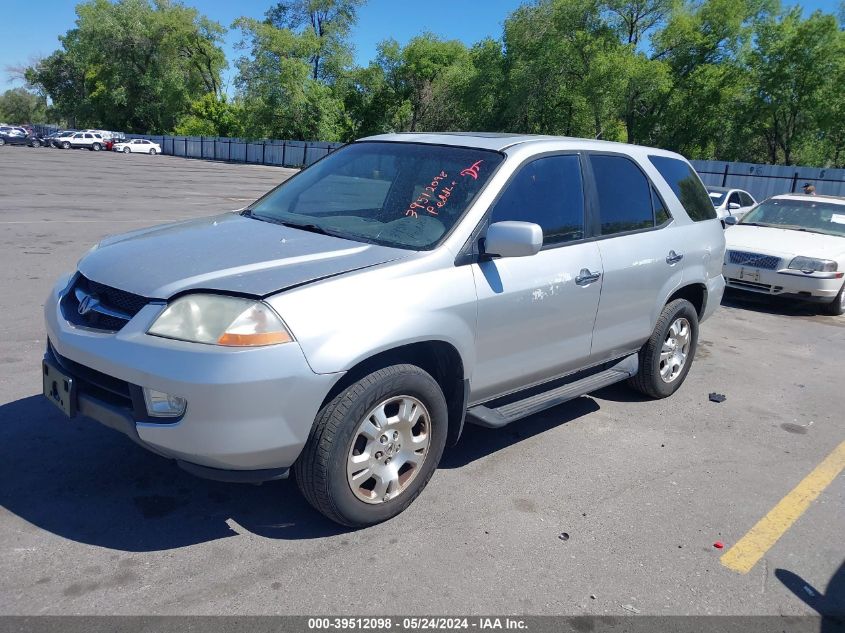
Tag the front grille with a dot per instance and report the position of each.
(112, 307)
(754, 260)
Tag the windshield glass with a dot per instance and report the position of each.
(716, 197)
(811, 215)
(407, 195)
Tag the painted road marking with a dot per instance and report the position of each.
(759, 539)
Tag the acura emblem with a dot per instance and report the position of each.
(88, 303)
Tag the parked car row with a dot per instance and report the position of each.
(94, 140)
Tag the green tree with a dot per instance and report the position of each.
(134, 65)
(211, 115)
(795, 67)
(19, 105)
(281, 98)
(329, 22)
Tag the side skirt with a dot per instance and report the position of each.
(503, 411)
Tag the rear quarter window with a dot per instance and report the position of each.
(686, 184)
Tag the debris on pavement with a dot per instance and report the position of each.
(563, 536)
(718, 545)
(592, 596)
(717, 397)
(630, 608)
(809, 591)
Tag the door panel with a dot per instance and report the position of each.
(636, 277)
(534, 321)
(641, 264)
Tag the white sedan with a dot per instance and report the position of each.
(138, 146)
(727, 201)
(793, 246)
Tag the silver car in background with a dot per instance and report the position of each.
(348, 323)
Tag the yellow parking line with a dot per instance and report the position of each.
(759, 539)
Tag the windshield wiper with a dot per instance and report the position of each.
(307, 226)
(311, 228)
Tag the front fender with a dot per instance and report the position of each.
(342, 321)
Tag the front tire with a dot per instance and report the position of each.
(152, 151)
(65, 145)
(666, 357)
(126, 150)
(96, 147)
(374, 447)
(837, 306)
(2, 142)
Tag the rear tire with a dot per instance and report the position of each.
(837, 306)
(667, 356)
(352, 428)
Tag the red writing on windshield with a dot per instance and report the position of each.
(427, 200)
(472, 170)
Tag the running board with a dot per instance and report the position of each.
(497, 416)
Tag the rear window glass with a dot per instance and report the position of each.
(624, 195)
(686, 184)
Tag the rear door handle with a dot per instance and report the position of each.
(586, 277)
(673, 257)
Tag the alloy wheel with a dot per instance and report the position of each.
(675, 350)
(388, 449)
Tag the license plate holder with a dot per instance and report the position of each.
(749, 274)
(59, 388)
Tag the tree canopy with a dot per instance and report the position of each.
(718, 79)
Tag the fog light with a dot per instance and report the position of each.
(163, 405)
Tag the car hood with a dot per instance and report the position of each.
(784, 242)
(228, 253)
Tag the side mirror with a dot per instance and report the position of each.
(513, 239)
(733, 206)
(731, 220)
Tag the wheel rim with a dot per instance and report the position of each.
(388, 449)
(125, 150)
(675, 350)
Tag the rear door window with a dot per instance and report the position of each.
(624, 194)
(746, 199)
(548, 192)
(686, 184)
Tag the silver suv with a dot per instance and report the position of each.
(349, 322)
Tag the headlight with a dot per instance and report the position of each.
(221, 320)
(811, 264)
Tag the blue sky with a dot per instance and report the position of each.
(30, 28)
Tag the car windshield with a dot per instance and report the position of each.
(812, 215)
(407, 195)
(716, 197)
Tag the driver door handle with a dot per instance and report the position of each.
(586, 277)
(673, 257)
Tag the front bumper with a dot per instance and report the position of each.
(819, 287)
(247, 409)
